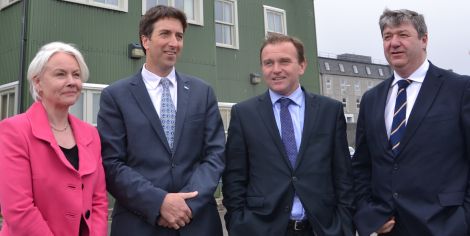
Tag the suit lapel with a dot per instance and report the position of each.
(379, 115)
(265, 110)
(312, 110)
(426, 96)
(183, 100)
(142, 97)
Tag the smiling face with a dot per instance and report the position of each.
(404, 50)
(163, 46)
(59, 84)
(281, 67)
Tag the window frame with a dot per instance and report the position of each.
(381, 72)
(356, 71)
(341, 67)
(368, 70)
(7, 89)
(198, 11)
(6, 3)
(122, 4)
(283, 20)
(327, 66)
(88, 90)
(233, 26)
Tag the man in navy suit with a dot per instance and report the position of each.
(162, 140)
(288, 169)
(412, 158)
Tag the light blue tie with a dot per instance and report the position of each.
(399, 116)
(167, 112)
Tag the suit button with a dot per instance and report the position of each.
(395, 195)
(287, 208)
(395, 166)
(87, 214)
(173, 165)
(294, 178)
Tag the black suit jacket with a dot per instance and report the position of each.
(259, 182)
(140, 169)
(426, 187)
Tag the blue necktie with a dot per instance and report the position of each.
(399, 116)
(167, 112)
(287, 131)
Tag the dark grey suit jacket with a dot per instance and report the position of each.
(259, 182)
(140, 168)
(426, 187)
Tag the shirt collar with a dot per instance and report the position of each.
(297, 96)
(417, 76)
(153, 80)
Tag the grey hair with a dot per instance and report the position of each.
(39, 61)
(397, 17)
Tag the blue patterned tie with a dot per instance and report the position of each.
(287, 130)
(167, 112)
(399, 116)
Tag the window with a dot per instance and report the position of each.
(226, 30)
(355, 69)
(327, 66)
(368, 70)
(87, 106)
(8, 100)
(192, 8)
(120, 5)
(6, 3)
(381, 72)
(328, 84)
(349, 118)
(370, 84)
(341, 67)
(344, 86)
(225, 109)
(345, 102)
(358, 103)
(274, 20)
(357, 87)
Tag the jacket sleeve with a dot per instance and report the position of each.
(342, 171)
(16, 193)
(128, 186)
(466, 126)
(235, 177)
(206, 175)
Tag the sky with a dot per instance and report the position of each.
(345, 26)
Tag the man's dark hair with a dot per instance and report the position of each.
(274, 38)
(155, 14)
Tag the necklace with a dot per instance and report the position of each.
(60, 130)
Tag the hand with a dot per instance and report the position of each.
(174, 211)
(387, 227)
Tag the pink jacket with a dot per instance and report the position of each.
(40, 192)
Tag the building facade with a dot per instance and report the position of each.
(345, 78)
(221, 44)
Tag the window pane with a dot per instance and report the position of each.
(228, 13)
(277, 23)
(219, 37)
(77, 108)
(11, 104)
(218, 11)
(4, 105)
(187, 6)
(96, 106)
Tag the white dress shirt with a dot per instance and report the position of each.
(412, 91)
(155, 89)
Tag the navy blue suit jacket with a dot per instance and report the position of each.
(140, 169)
(426, 187)
(259, 181)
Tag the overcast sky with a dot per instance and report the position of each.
(345, 26)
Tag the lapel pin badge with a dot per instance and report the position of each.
(186, 87)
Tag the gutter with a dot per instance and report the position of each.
(21, 75)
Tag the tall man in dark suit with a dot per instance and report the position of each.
(412, 158)
(163, 140)
(288, 169)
